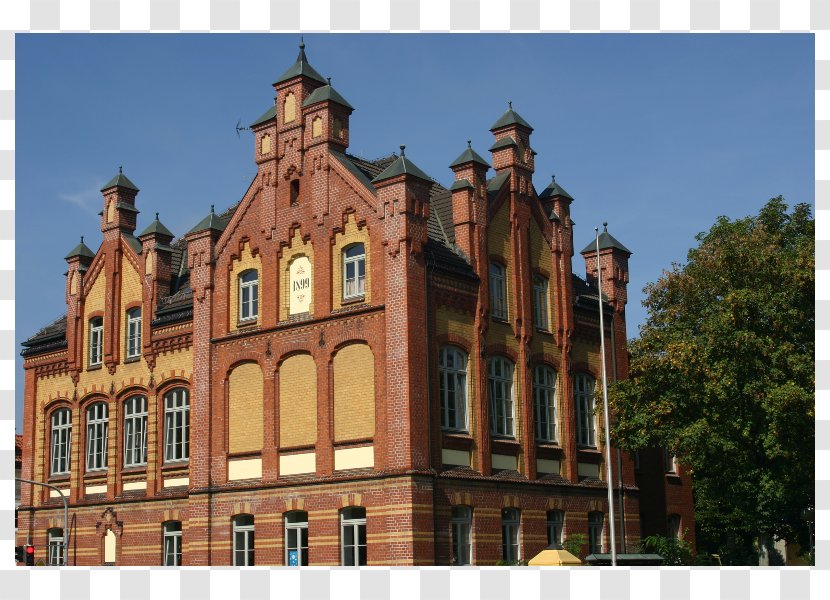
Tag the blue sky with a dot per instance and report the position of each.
(656, 134)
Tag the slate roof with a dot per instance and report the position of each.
(606, 240)
(554, 189)
(469, 155)
(510, 117)
(401, 166)
(156, 227)
(120, 180)
(268, 115)
(212, 221)
(301, 67)
(80, 250)
(321, 94)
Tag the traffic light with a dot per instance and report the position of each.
(30, 556)
(19, 554)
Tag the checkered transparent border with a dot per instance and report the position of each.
(415, 16)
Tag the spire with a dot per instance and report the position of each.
(301, 68)
(212, 221)
(156, 227)
(120, 180)
(554, 189)
(606, 240)
(469, 155)
(81, 250)
(402, 166)
(326, 93)
(510, 117)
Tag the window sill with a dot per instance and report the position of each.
(247, 323)
(502, 320)
(544, 330)
(59, 478)
(96, 367)
(134, 470)
(456, 440)
(589, 454)
(95, 473)
(132, 359)
(505, 445)
(353, 300)
(175, 465)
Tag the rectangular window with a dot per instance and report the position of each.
(135, 431)
(172, 543)
(134, 333)
(96, 341)
(243, 540)
(61, 440)
(462, 522)
(176, 425)
(248, 295)
(544, 404)
(296, 539)
(510, 535)
(498, 292)
(354, 271)
(500, 387)
(595, 521)
(673, 526)
(540, 303)
(584, 410)
(97, 429)
(670, 461)
(452, 373)
(55, 550)
(556, 522)
(353, 536)
(636, 460)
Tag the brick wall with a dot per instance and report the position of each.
(354, 393)
(245, 409)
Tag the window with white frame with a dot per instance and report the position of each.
(243, 540)
(510, 521)
(500, 388)
(55, 549)
(673, 526)
(353, 536)
(96, 341)
(97, 429)
(248, 295)
(595, 523)
(61, 440)
(134, 333)
(584, 410)
(556, 523)
(498, 291)
(354, 271)
(462, 535)
(172, 543)
(544, 403)
(135, 431)
(296, 538)
(176, 425)
(669, 461)
(540, 303)
(452, 373)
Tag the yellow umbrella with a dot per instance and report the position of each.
(554, 557)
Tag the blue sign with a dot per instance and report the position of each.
(293, 558)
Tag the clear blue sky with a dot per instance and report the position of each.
(656, 134)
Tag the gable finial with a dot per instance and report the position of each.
(120, 170)
(605, 227)
(403, 150)
(553, 178)
(470, 144)
(157, 216)
(302, 43)
(211, 209)
(82, 239)
(510, 105)
(329, 80)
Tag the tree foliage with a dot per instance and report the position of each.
(723, 375)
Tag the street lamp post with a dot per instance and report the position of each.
(65, 516)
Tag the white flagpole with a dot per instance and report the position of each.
(605, 407)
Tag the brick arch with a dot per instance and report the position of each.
(89, 399)
(453, 339)
(510, 501)
(458, 498)
(556, 504)
(171, 383)
(351, 499)
(56, 404)
(346, 339)
(502, 350)
(232, 360)
(131, 390)
(545, 358)
(583, 367)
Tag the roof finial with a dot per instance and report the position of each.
(82, 239)
(510, 104)
(605, 227)
(553, 178)
(157, 216)
(211, 209)
(329, 80)
(302, 43)
(403, 150)
(119, 170)
(470, 144)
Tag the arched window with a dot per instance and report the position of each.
(176, 425)
(135, 431)
(353, 536)
(248, 295)
(55, 549)
(61, 440)
(316, 127)
(510, 522)
(294, 193)
(556, 522)
(96, 341)
(452, 372)
(595, 524)
(265, 145)
(498, 291)
(296, 538)
(133, 333)
(354, 271)
(172, 531)
(500, 387)
(462, 535)
(544, 404)
(584, 410)
(97, 430)
(243, 540)
(540, 303)
(289, 108)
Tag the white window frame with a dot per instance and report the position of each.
(511, 522)
(61, 441)
(461, 522)
(96, 341)
(176, 425)
(248, 308)
(299, 528)
(584, 409)
(97, 436)
(669, 462)
(247, 547)
(540, 303)
(355, 286)
(172, 543)
(54, 546)
(452, 374)
(498, 291)
(134, 333)
(500, 391)
(596, 525)
(356, 524)
(555, 525)
(544, 403)
(135, 431)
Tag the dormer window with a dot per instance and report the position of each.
(96, 341)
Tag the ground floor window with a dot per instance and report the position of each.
(462, 521)
(243, 540)
(595, 520)
(556, 521)
(172, 543)
(510, 535)
(55, 550)
(353, 536)
(296, 538)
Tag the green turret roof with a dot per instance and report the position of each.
(606, 240)
(212, 221)
(156, 227)
(80, 250)
(268, 115)
(554, 189)
(120, 180)
(510, 117)
(400, 167)
(321, 94)
(469, 155)
(460, 184)
(301, 68)
(503, 143)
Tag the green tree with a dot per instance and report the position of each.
(723, 375)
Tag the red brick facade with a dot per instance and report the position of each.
(427, 286)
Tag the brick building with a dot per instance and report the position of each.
(352, 365)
